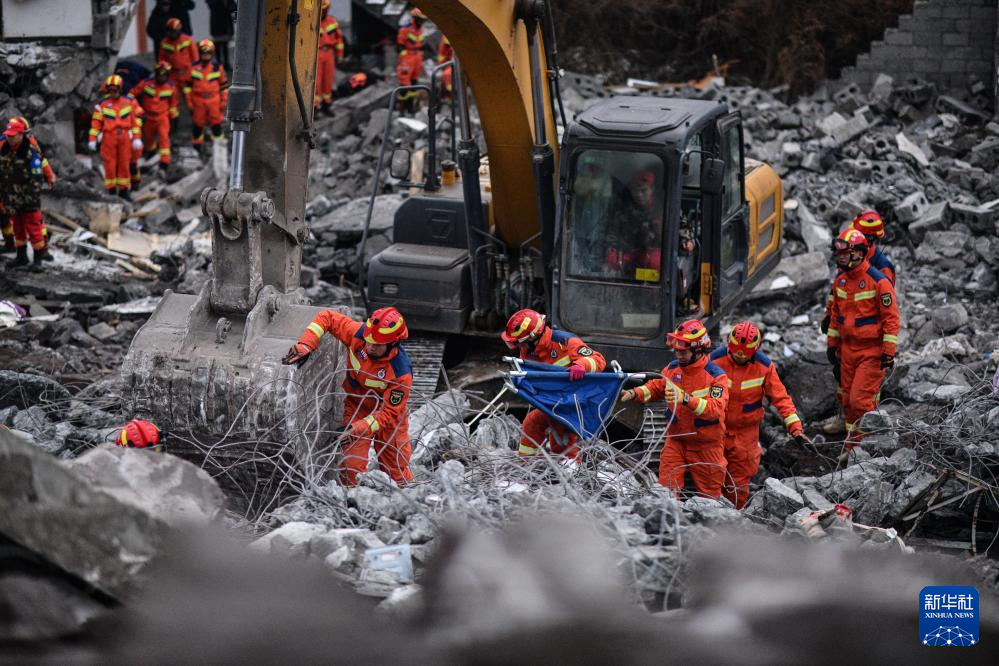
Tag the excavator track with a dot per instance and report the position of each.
(426, 353)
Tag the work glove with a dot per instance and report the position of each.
(92, 146)
(136, 144)
(675, 395)
(824, 326)
(297, 354)
(801, 439)
(576, 373)
(887, 361)
(359, 428)
(626, 396)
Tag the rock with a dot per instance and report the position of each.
(155, 214)
(950, 317)
(797, 273)
(939, 244)
(446, 408)
(349, 219)
(907, 147)
(36, 423)
(420, 529)
(291, 540)
(55, 509)
(64, 78)
(188, 189)
(102, 332)
(24, 390)
(496, 432)
(7, 415)
(912, 207)
(816, 234)
(403, 602)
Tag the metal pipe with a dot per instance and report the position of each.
(293, 19)
(460, 94)
(236, 163)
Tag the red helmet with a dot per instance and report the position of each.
(206, 46)
(358, 80)
(139, 434)
(16, 125)
(385, 326)
(849, 240)
(113, 81)
(173, 24)
(870, 223)
(744, 340)
(524, 326)
(691, 334)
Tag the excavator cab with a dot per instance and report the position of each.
(655, 225)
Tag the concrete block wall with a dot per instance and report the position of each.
(948, 42)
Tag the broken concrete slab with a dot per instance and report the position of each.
(799, 272)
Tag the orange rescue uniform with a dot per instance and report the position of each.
(864, 325)
(748, 384)
(445, 52)
(117, 121)
(181, 53)
(560, 348)
(695, 434)
(330, 51)
(377, 392)
(161, 104)
(410, 66)
(50, 178)
(207, 97)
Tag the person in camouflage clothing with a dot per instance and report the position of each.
(21, 180)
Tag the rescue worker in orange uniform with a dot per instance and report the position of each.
(377, 383)
(133, 162)
(139, 434)
(208, 95)
(20, 188)
(751, 377)
(160, 100)
(863, 334)
(410, 40)
(7, 221)
(445, 52)
(528, 334)
(331, 48)
(696, 394)
(872, 226)
(180, 51)
(116, 122)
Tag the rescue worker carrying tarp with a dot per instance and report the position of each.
(528, 334)
(21, 178)
(160, 100)
(863, 333)
(6, 220)
(330, 53)
(751, 377)
(409, 69)
(696, 394)
(139, 434)
(115, 123)
(872, 226)
(378, 380)
(208, 95)
(181, 52)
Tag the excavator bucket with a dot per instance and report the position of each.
(207, 368)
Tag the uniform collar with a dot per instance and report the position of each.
(859, 269)
(695, 366)
(544, 343)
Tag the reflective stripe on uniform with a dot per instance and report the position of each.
(702, 404)
(700, 393)
(645, 393)
(564, 361)
(316, 328)
(833, 333)
(375, 383)
(372, 424)
(864, 295)
(841, 292)
(793, 418)
(887, 337)
(752, 383)
(590, 362)
(526, 449)
(354, 363)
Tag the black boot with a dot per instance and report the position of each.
(8, 245)
(41, 255)
(125, 193)
(22, 256)
(326, 109)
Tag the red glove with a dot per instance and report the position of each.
(359, 428)
(576, 372)
(297, 354)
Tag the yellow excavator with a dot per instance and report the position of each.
(648, 212)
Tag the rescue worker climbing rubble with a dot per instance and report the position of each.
(208, 94)
(115, 123)
(139, 434)
(331, 49)
(160, 100)
(409, 69)
(21, 177)
(528, 334)
(696, 394)
(378, 381)
(180, 51)
(752, 376)
(863, 334)
(6, 220)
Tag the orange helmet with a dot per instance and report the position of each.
(524, 326)
(16, 125)
(139, 434)
(358, 80)
(744, 340)
(163, 66)
(870, 223)
(849, 240)
(384, 327)
(417, 14)
(173, 24)
(691, 334)
(206, 46)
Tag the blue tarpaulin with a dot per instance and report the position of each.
(584, 406)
